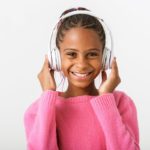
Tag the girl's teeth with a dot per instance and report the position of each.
(80, 75)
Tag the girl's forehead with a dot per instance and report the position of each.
(80, 31)
(81, 38)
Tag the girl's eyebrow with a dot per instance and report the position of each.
(92, 49)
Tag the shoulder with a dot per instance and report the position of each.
(31, 109)
(122, 97)
(45, 95)
(35, 103)
(123, 100)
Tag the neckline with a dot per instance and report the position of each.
(81, 98)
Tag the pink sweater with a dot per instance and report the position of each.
(106, 122)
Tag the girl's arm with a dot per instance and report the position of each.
(40, 123)
(117, 116)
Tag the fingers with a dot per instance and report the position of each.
(114, 67)
(46, 62)
(115, 72)
(47, 65)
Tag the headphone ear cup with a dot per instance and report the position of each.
(54, 59)
(58, 59)
(106, 60)
(50, 58)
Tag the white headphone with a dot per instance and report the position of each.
(54, 54)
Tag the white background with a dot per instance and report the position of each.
(25, 27)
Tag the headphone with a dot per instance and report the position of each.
(54, 54)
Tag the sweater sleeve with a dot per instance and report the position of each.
(118, 118)
(40, 123)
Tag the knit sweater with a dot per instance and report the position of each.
(104, 122)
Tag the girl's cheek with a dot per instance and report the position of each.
(64, 67)
(97, 65)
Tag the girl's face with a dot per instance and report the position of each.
(81, 56)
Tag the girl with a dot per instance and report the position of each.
(83, 117)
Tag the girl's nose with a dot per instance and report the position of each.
(81, 62)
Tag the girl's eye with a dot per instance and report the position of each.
(71, 54)
(92, 54)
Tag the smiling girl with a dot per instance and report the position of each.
(83, 117)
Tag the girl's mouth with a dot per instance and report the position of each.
(81, 76)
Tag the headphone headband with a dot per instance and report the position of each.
(75, 13)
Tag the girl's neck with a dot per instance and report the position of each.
(73, 91)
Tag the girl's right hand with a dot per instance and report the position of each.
(46, 76)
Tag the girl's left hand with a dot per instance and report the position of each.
(109, 84)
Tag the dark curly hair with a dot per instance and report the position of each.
(80, 20)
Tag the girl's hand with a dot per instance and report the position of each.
(46, 76)
(108, 85)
